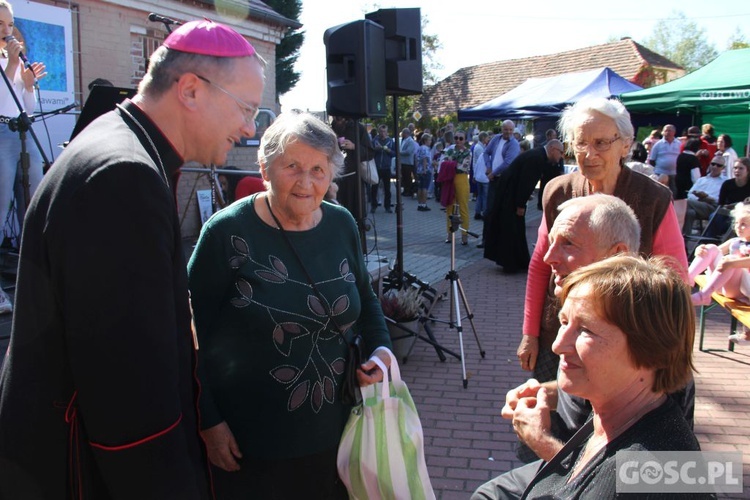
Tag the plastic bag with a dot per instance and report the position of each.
(381, 454)
(369, 172)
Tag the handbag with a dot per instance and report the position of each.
(369, 172)
(348, 392)
(381, 453)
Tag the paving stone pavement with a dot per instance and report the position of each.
(466, 440)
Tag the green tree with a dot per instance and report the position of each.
(681, 41)
(287, 51)
(430, 45)
(737, 41)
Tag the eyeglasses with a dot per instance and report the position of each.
(717, 164)
(600, 145)
(460, 138)
(249, 112)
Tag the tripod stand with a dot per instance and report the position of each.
(428, 297)
(456, 290)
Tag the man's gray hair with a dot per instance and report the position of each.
(576, 113)
(166, 66)
(300, 127)
(610, 218)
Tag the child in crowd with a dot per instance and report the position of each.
(728, 266)
(423, 170)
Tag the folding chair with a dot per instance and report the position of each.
(718, 229)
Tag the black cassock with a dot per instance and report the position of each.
(505, 233)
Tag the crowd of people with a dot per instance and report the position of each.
(702, 171)
(456, 166)
(132, 373)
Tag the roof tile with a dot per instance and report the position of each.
(474, 85)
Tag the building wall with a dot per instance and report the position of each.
(113, 39)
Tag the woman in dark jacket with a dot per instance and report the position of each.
(737, 189)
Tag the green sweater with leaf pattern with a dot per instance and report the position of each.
(270, 360)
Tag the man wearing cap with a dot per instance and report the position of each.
(703, 197)
(97, 393)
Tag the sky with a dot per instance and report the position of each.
(482, 31)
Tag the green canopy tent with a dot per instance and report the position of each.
(718, 93)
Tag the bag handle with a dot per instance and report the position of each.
(395, 375)
(395, 370)
(385, 389)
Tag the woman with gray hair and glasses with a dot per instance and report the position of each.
(277, 281)
(599, 134)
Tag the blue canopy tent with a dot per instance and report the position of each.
(547, 97)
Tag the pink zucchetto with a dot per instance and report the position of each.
(208, 38)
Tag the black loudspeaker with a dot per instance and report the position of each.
(355, 68)
(403, 49)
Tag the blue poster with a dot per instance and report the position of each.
(46, 43)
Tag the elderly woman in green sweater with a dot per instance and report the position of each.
(275, 278)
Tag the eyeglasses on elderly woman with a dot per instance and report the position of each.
(600, 145)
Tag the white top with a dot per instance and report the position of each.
(730, 157)
(7, 104)
(709, 185)
(480, 171)
(497, 158)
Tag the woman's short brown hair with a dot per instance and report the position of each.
(650, 303)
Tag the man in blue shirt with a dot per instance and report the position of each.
(501, 151)
(664, 156)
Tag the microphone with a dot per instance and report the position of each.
(21, 55)
(156, 18)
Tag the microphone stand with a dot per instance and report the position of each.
(166, 21)
(22, 124)
(54, 112)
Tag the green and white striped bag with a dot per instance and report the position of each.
(381, 454)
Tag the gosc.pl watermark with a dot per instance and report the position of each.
(679, 472)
